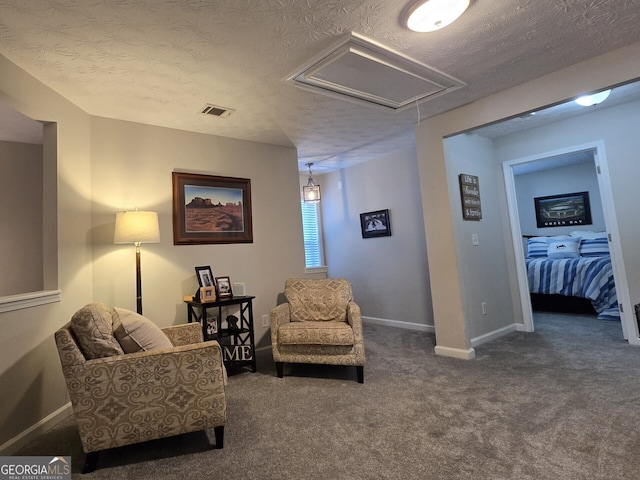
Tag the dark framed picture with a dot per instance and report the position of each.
(375, 224)
(224, 287)
(211, 209)
(205, 277)
(569, 209)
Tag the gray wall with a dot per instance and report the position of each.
(389, 274)
(574, 178)
(482, 267)
(21, 241)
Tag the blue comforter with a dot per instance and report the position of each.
(586, 277)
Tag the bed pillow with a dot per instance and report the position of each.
(566, 248)
(136, 333)
(537, 247)
(587, 234)
(594, 247)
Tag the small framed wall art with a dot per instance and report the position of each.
(375, 224)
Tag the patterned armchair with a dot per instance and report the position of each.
(319, 324)
(125, 398)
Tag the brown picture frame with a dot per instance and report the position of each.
(211, 209)
(224, 287)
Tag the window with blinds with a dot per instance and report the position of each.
(312, 235)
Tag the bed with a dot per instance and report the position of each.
(575, 265)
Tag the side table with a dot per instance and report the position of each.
(237, 341)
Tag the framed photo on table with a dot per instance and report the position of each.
(212, 325)
(205, 277)
(224, 287)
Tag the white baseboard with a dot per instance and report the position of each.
(33, 432)
(487, 337)
(399, 324)
(455, 352)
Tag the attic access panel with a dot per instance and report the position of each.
(361, 70)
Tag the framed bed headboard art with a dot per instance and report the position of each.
(569, 209)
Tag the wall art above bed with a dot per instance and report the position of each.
(569, 209)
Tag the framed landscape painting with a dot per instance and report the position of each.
(211, 209)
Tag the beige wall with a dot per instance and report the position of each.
(21, 205)
(31, 383)
(450, 288)
(131, 167)
(104, 166)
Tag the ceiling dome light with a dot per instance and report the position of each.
(432, 15)
(590, 100)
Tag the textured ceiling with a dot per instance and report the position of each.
(161, 61)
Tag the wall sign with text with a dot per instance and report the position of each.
(470, 196)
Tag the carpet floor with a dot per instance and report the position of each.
(560, 403)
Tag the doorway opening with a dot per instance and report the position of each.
(588, 159)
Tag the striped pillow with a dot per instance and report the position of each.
(537, 247)
(594, 247)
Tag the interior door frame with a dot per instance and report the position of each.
(629, 327)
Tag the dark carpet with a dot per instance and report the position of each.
(560, 403)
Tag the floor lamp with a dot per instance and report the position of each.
(137, 227)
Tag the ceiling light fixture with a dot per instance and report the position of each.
(432, 15)
(311, 191)
(591, 100)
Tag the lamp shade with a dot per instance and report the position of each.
(137, 227)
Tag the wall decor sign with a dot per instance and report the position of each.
(569, 209)
(470, 196)
(375, 224)
(211, 209)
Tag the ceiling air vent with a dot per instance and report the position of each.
(217, 111)
(364, 71)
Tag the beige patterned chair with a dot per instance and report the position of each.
(123, 398)
(319, 324)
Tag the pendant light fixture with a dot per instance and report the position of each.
(432, 15)
(311, 191)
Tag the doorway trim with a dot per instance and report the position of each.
(629, 327)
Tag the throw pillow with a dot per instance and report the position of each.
(537, 247)
(594, 247)
(93, 327)
(587, 234)
(136, 333)
(564, 248)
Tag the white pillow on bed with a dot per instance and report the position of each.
(588, 234)
(564, 248)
